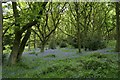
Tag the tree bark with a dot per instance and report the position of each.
(18, 36)
(118, 27)
(15, 49)
(29, 45)
(42, 46)
(23, 43)
(1, 22)
(35, 40)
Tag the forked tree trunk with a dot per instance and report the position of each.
(23, 43)
(18, 33)
(14, 53)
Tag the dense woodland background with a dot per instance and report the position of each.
(78, 27)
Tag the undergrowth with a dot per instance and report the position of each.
(95, 65)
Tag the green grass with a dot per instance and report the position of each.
(93, 65)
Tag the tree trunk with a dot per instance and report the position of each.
(84, 37)
(1, 22)
(35, 40)
(18, 32)
(78, 25)
(14, 53)
(42, 46)
(18, 36)
(79, 42)
(52, 44)
(29, 45)
(117, 27)
(23, 43)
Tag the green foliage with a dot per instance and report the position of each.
(23, 65)
(63, 44)
(8, 40)
(57, 42)
(50, 55)
(74, 44)
(93, 43)
(111, 43)
(93, 65)
(98, 55)
(7, 49)
(113, 50)
(72, 41)
(50, 69)
(52, 45)
(7, 43)
(33, 52)
(100, 65)
(89, 43)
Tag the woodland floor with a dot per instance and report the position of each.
(63, 53)
(63, 63)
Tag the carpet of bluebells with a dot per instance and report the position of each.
(65, 63)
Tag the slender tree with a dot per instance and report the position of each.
(1, 22)
(34, 39)
(29, 48)
(78, 25)
(118, 26)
